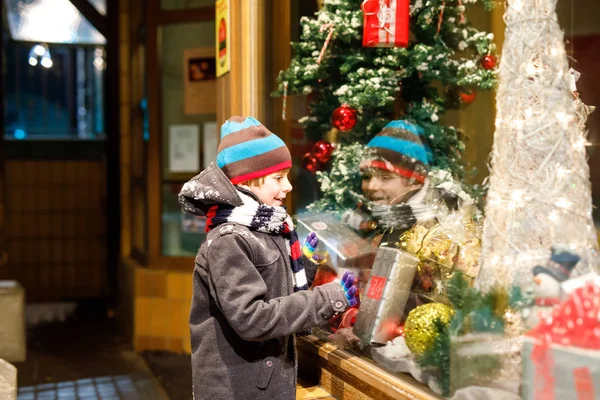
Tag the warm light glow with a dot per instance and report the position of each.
(39, 50)
(46, 61)
(33, 61)
(54, 20)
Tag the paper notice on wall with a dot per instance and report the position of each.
(184, 148)
(210, 143)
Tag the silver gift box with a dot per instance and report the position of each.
(346, 249)
(386, 294)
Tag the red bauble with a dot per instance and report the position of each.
(322, 151)
(488, 62)
(344, 118)
(311, 163)
(467, 96)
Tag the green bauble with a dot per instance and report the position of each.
(419, 328)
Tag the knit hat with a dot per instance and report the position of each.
(561, 263)
(248, 150)
(399, 148)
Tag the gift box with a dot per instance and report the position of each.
(562, 372)
(386, 294)
(346, 249)
(561, 356)
(485, 360)
(386, 23)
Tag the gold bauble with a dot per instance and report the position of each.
(419, 327)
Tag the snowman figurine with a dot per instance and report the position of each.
(547, 283)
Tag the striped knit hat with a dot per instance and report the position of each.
(248, 150)
(399, 148)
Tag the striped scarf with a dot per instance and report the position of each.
(266, 219)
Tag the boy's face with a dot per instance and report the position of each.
(385, 187)
(274, 188)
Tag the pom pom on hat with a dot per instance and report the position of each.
(399, 148)
(248, 150)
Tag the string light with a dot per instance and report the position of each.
(540, 192)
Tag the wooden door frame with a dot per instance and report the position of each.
(155, 18)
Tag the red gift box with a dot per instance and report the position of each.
(386, 23)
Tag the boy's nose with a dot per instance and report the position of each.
(287, 186)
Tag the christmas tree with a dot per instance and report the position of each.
(442, 64)
(539, 193)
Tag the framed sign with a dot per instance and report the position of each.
(199, 86)
(223, 36)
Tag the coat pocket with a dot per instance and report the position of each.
(265, 371)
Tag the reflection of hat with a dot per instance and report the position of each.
(248, 150)
(399, 148)
(559, 266)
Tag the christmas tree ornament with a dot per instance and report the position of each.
(322, 151)
(467, 96)
(419, 327)
(310, 163)
(385, 25)
(488, 62)
(539, 186)
(330, 27)
(344, 118)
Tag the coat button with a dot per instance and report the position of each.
(269, 363)
(338, 304)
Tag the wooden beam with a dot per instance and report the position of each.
(91, 14)
(201, 14)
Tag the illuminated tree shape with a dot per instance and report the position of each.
(539, 193)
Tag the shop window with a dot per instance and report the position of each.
(53, 91)
(188, 111)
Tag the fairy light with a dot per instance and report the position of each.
(540, 193)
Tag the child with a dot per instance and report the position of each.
(249, 284)
(394, 180)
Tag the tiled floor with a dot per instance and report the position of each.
(137, 386)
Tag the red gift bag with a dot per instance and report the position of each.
(386, 23)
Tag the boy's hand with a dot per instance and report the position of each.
(349, 288)
(310, 245)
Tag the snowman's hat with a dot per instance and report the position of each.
(560, 265)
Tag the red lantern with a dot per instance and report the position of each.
(344, 118)
(322, 151)
(488, 62)
(467, 96)
(310, 163)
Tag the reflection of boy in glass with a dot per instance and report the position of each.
(394, 180)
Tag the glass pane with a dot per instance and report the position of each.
(182, 47)
(180, 4)
(50, 21)
(56, 95)
(100, 5)
(182, 233)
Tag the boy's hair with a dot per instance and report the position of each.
(401, 148)
(258, 182)
(248, 150)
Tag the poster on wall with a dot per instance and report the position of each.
(223, 36)
(184, 145)
(199, 81)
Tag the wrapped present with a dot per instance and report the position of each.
(386, 23)
(485, 360)
(346, 250)
(387, 292)
(561, 356)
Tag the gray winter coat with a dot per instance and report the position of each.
(244, 310)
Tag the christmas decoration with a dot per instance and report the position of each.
(383, 83)
(344, 118)
(467, 96)
(539, 191)
(310, 163)
(488, 61)
(329, 28)
(386, 294)
(562, 354)
(420, 326)
(322, 151)
(385, 23)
